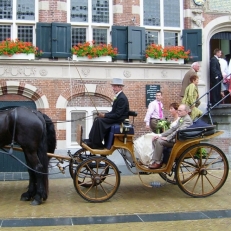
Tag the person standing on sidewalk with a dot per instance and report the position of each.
(154, 112)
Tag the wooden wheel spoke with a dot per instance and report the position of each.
(188, 179)
(194, 186)
(88, 190)
(210, 182)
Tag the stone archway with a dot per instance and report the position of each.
(27, 90)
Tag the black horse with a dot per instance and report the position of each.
(35, 133)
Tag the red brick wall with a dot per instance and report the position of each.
(53, 14)
(209, 17)
(125, 19)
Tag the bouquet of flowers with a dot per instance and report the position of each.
(162, 125)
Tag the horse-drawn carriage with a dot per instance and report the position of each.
(199, 168)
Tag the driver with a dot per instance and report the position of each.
(103, 122)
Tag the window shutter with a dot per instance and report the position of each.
(136, 42)
(61, 40)
(192, 40)
(43, 38)
(119, 40)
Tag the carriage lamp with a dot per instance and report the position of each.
(125, 128)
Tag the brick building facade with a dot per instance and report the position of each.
(58, 84)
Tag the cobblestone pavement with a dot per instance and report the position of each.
(132, 198)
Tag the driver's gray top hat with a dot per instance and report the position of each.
(117, 81)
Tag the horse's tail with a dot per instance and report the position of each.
(42, 155)
(51, 134)
(50, 141)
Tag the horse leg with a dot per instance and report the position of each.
(40, 189)
(27, 196)
(36, 190)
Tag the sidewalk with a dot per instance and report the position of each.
(135, 206)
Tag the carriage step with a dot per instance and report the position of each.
(144, 173)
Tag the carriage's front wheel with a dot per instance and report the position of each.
(77, 158)
(169, 177)
(201, 170)
(101, 175)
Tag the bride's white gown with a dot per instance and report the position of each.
(143, 147)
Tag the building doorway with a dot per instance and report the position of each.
(222, 40)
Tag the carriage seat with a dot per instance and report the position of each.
(196, 132)
(115, 129)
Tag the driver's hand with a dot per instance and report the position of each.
(101, 115)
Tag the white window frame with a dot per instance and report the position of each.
(15, 23)
(90, 25)
(89, 121)
(161, 29)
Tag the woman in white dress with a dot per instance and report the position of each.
(143, 145)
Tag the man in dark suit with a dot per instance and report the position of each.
(167, 138)
(103, 122)
(215, 77)
(186, 80)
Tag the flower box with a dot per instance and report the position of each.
(97, 59)
(155, 53)
(19, 56)
(89, 51)
(164, 61)
(16, 49)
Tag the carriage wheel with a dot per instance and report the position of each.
(201, 170)
(78, 157)
(101, 175)
(169, 177)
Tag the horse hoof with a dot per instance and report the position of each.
(24, 198)
(35, 202)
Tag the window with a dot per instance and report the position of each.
(163, 21)
(151, 37)
(17, 19)
(78, 35)
(170, 38)
(90, 20)
(83, 116)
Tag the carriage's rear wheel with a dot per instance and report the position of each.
(201, 170)
(101, 175)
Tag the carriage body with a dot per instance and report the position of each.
(197, 167)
